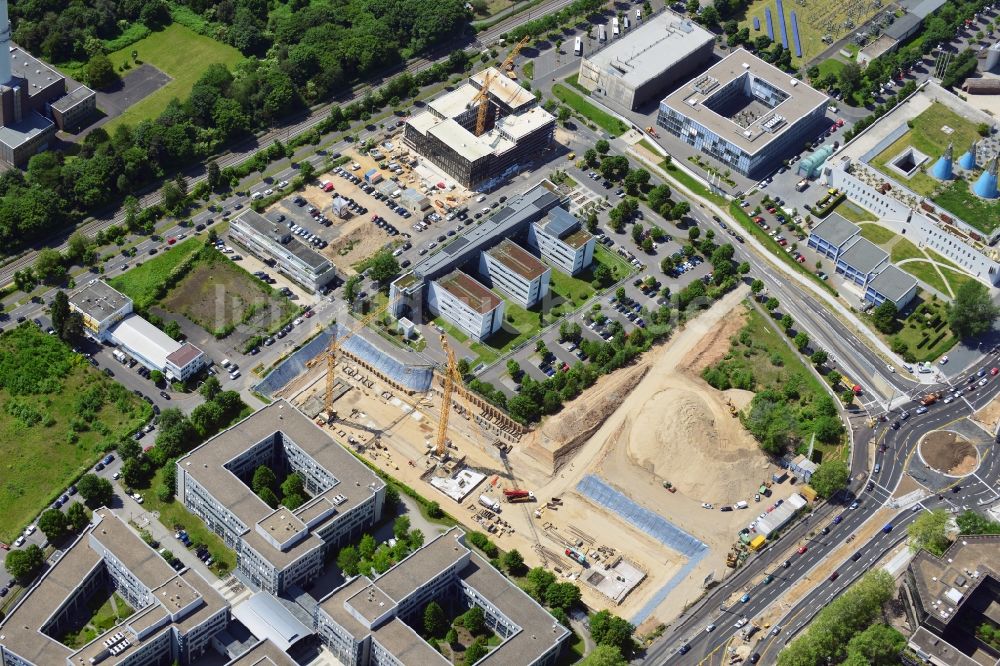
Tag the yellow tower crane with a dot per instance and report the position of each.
(483, 96)
(451, 377)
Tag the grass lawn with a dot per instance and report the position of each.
(904, 249)
(929, 322)
(831, 66)
(926, 273)
(854, 213)
(173, 513)
(958, 198)
(105, 611)
(576, 101)
(180, 53)
(573, 290)
(956, 278)
(142, 283)
(529, 70)
(876, 234)
(59, 416)
(617, 265)
(940, 259)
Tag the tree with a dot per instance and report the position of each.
(878, 645)
(474, 620)
(434, 619)
(709, 15)
(49, 266)
(819, 357)
(95, 491)
(292, 485)
(451, 637)
(53, 524)
(99, 72)
(210, 388)
(463, 366)
(971, 312)
(24, 563)
(609, 629)
(269, 497)
(590, 157)
(366, 547)
(830, 477)
(849, 78)
(347, 560)
(636, 180)
(884, 316)
(263, 477)
(401, 527)
(602, 146)
(801, 341)
(134, 471)
(214, 175)
(157, 377)
(757, 286)
(475, 652)
(928, 532)
(562, 595)
(172, 196)
(614, 167)
(787, 322)
(59, 311)
(513, 562)
(771, 304)
(540, 579)
(604, 655)
(434, 509)
(513, 369)
(970, 522)
(658, 196)
(383, 267)
(680, 209)
(564, 114)
(77, 517)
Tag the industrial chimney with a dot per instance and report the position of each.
(5, 44)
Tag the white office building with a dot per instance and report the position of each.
(516, 272)
(467, 304)
(101, 307)
(274, 243)
(562, 240)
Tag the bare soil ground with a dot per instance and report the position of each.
(949, 452)
(989, 416)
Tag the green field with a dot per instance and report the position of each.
(105, 611)
(876, 234)
(142, 283)
(831, 66)
(854, 213)
(178, 52)
(904, 249)
(926, 273)
(581, 106)
(957, 198)
(929, 319)
(938, 258)
(59, 415)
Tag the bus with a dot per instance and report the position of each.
(614, 27)
(602, 35)
(578, 46)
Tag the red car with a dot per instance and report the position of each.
(758, 219)
(994, 371)
(782, 242)
(802, 259)
(840, 122)
(309, 313)
(328, 187)
(772, 210)
(171, 241)
(802, 550)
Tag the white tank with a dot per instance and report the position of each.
(5, 42)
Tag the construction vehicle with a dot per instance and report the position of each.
(929, 399)
(483, 96)
(518, 495)
(749, 630)
(489, 503)
(652, 132)
(576, 555)
(732, 408)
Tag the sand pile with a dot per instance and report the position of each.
(683, 438)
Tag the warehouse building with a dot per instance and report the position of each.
(561, 239)
(177, 614)
(516, 272)
(279, 548)
(638, 67)
(517, 131)
(108, 318)
(777, 518)
(274, 244)
(745, 113)
(467, 304)
(368, 622)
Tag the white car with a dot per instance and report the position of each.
(710, 628)
(268, 192)
(741, 622)
(890, 368)
(298, 322)
(234, 374)
(137, 497)
(257, 196)
(283, 184)
(944, 359)
(29, 530)
(116, 475)
(949, 399)
(706, 505)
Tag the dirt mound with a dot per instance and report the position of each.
(559, 436)
(694, 443)
(949, 453)
(714, 346)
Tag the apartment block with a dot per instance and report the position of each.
(367, 622)
(516, 272)
(277, 548)
(562, 240)
(467, 304)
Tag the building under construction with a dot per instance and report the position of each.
(514, 132)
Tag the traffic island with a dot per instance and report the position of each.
(948, 453)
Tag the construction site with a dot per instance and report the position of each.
(614, 491)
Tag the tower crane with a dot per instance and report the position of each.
(451, 376)
(482, 97)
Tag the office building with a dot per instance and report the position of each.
(33, 101)
(861, 261)
(467, 304)
(745, 113)
(176, 613)
(516, 272)
(947, 598)
(833, 235)
(277, 548)
(276, 245)
(368, 622)
(891, 284)
(108, 318)
(639, 66)
(562, 240)
(516, 131)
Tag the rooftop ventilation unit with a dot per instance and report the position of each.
(746, 65)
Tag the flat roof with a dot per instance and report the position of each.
(517, 259)
(32, 125)
(578, 238)
(461, 140)
(835, 230)
(146, 340)
(267, 618)
(470, 291)
(518, 126)
(371, 603)
(893, 283)
(564, 226)
(72, 98)
(98, 300)
(504, 89)
(334, 605)
(799, 100)
(922, 8)
(454, 103)
(422, 565)
(932, 645)
(27, 66)
(264, 653)
(903, 25)
(206, 465)
(963, 567)
(406, 645)
(644, 53)
(267, 229)
(863, 255)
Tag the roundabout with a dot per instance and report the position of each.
(948, 453)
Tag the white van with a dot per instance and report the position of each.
(481, 198)
(257, 196)
(226, 363)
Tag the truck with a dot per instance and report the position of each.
(615, 30)
(518, 495)
(489, 503)
(929, 399)
(576, 555)
(119, 356)
(749, 631)
(602, 34)
(801, 185)
(578, 46)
